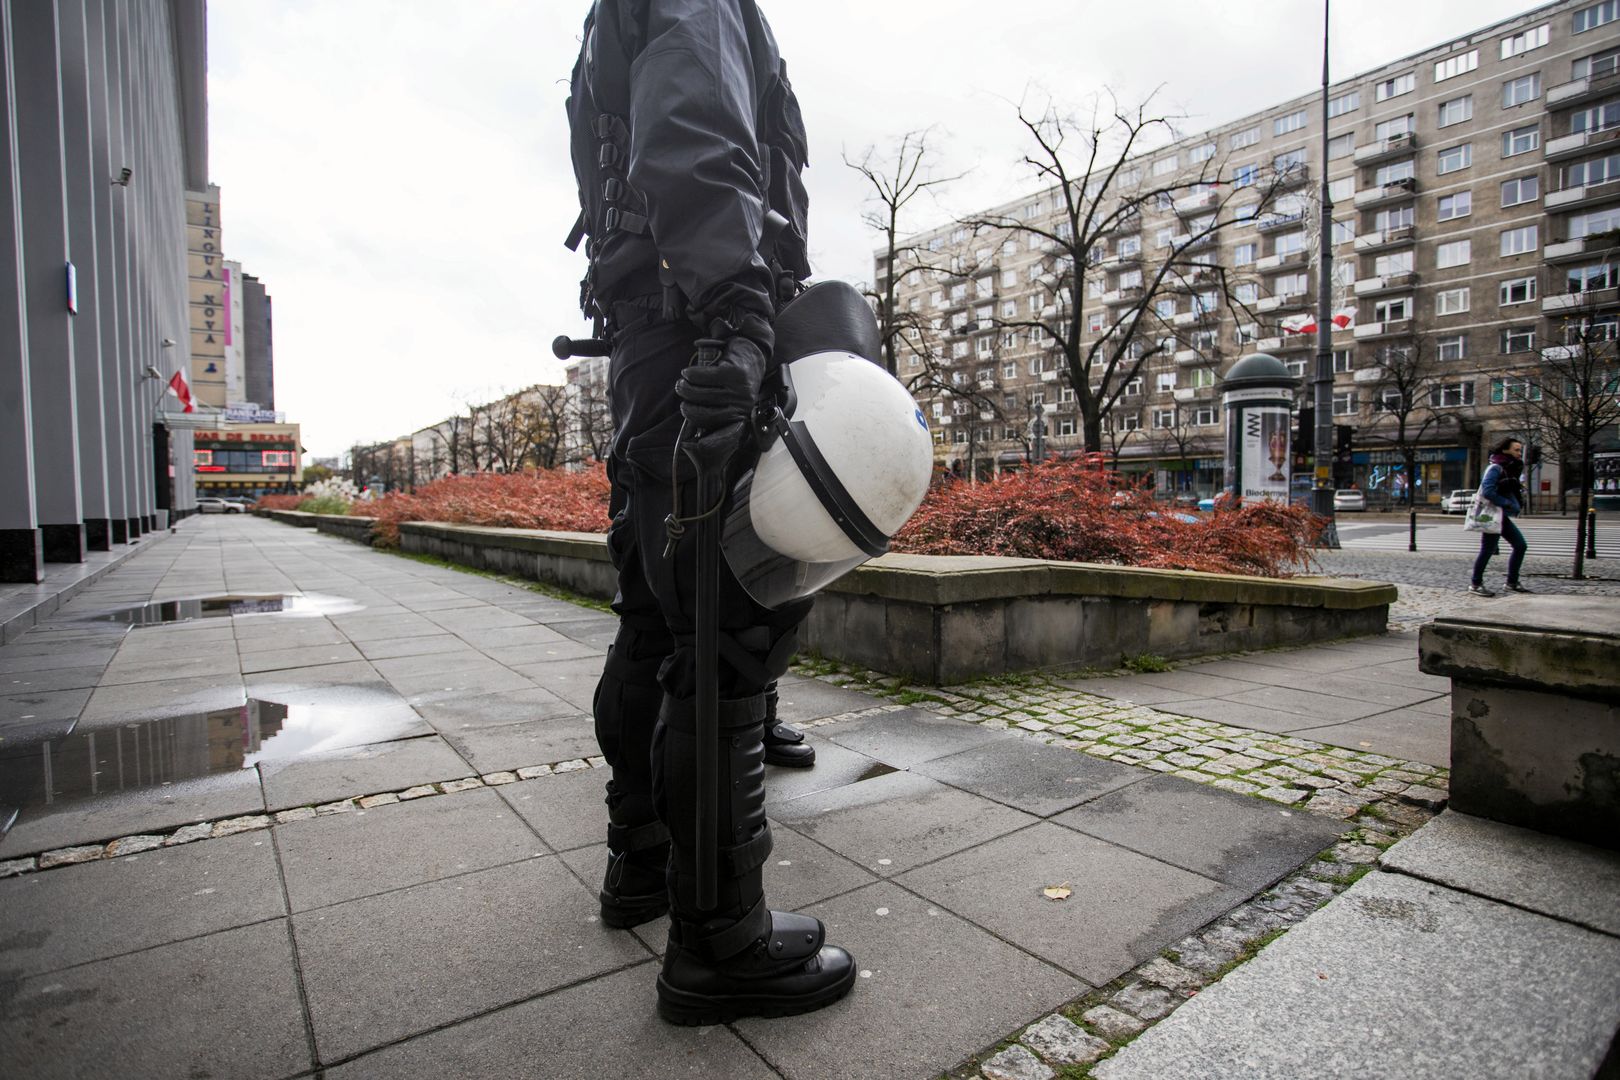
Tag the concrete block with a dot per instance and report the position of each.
(1045, 633)
(972, 641)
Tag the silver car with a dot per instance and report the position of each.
(1457, 502)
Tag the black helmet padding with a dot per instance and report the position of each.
(828, 317)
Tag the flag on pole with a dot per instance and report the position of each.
(181, 391)
(1344, 318)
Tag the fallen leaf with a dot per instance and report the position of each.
(1058, 892)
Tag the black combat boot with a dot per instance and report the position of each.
(634, 889)
(784, 744)
(738, 958)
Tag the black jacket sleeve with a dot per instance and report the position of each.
(694, 153)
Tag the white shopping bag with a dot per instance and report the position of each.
(1483, 515)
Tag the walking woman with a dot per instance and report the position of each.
(1500, 485)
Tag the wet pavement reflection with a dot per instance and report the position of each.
(218, 607)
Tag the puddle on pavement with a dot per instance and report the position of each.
(105, 761)
(218, 607)
(875, 770)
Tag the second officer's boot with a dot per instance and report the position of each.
(740, 958)
(784, 744)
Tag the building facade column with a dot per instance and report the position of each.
(109, 278)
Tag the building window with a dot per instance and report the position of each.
(1204, 416)
(1290, 243)
(1521, 240)
(1244, 254)
(1600, 117)
(1164, 165)
(1164, 418)
(1163, 237)
(1282, 125)
(1344, 232)
(1164, 309)
(1343, 361)
(1164, 381)
(1452, 66)
(1399, 218)
(1245, 176)
(1596, 65)
(1344, 103)
(1400, 84)
(1130, 421)
(1458, 205)
(1517, 291)
(1451, 395)
(1517, 339)
(1130, 245)
(1521, 140)
(1246, 137)
(1290, 162)
(1341, 145)
(1595, 16)
(1385, 130)
(1457, 110)
(1524, 89)
(1452, 348)
(1597, 171)
(1523, 42)
(1583, 279)
(1451, 301)
(1203, 377)
(1521, 189)
(1202, 152)
(1593, 222)
(938, 409)
(1456, 253)
(1398, 263)
(1342, 188)
(1392, 310)
(1009, 278)
(1511, 391)
(1065, 426)
(1346, 403)
(1453, 158)
(1394, 173)
(1094, 322)
(984, 346)
(1134, 387)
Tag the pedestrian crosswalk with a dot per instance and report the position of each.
(1553, 536)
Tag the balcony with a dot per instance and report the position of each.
(1293, 176)
(1391, 147)
(1272, 222)
(1281, 259)
(1128, 224)
(1193, 393)
(1130, 294)
(1189, 356)
(1567, 145)
(1285, 302)
(1376, 241)
(1192, 318)
(1400, 189)
(1368, 374)
(1391, 328)
(1572, 198)
(1296, 342)
(1187, 242)
(1268, 344)
(1049, 376)
(1570, 93)
(1386, 283)
(1592, 298)
(1568, 250)
(1196, 202)
(946, 419)
(1119, 259)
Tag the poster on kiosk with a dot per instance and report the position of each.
(1264, 452)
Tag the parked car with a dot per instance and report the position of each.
(1457, 502)
(1348, 499)
(208, 504)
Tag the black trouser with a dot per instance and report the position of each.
(644, 711)
(1491, 543)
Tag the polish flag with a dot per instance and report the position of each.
(1342, 319)
(181, 391)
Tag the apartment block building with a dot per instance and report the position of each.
(1475, 189)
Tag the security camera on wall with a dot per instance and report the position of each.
(122, 179)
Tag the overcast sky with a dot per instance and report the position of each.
(396, 171)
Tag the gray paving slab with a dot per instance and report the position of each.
(448, 950)
(1546, 874)
(113, 703)
(12, 658)
(1241, 714)
(525, 635)
(42, 707)
(92, 911)
(907, 736)
(905, 1016)
(46, 645)
(1131, 689)
(478, 620)
(601, 1028)
(537, 742)
(1125, 907)
(497, 709)
(1031, 776)
(835, 766)
(1406, 673)
(335, 686)
(392, 648)
(360, 770)
(128, 813)
(299, 657)
(286, 634)
(50, 679)
(1438, 706)
(1246, 843)
(894, 822)
(1307, 703)
(572, 680)
(338, 857)
(1321, 658)
(370, 626)
(469, 676)
(800, 700)
(225, 1005)
(1190, 682)
(1397, 970)
(564, 648)
(568, 810)
(1244, 670)
(1410, 734)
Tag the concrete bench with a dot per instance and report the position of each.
(1535, 712)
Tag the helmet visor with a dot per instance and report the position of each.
(779, 543)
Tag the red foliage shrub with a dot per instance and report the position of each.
(547, 499)
(278, 502)
(1076, 512)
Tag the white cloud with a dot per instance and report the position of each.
(398, 172)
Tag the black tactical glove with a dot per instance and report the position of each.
(722, 393)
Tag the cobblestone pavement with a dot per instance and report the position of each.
(1384, 799)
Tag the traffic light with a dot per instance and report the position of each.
(1344, 470)
(1305, 437)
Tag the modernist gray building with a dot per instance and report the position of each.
(104, 114)
(259, 359)
(1476, 203)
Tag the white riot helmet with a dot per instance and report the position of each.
(848, 462)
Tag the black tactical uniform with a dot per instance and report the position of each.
(687, 144)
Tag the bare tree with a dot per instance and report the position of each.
(546, 431)
(592, 420)
(1404, 399)
(1098, 192)
(895, 181)
(1577, 388)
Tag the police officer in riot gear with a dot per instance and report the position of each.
(687, 144)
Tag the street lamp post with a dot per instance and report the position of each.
(1322, 377)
